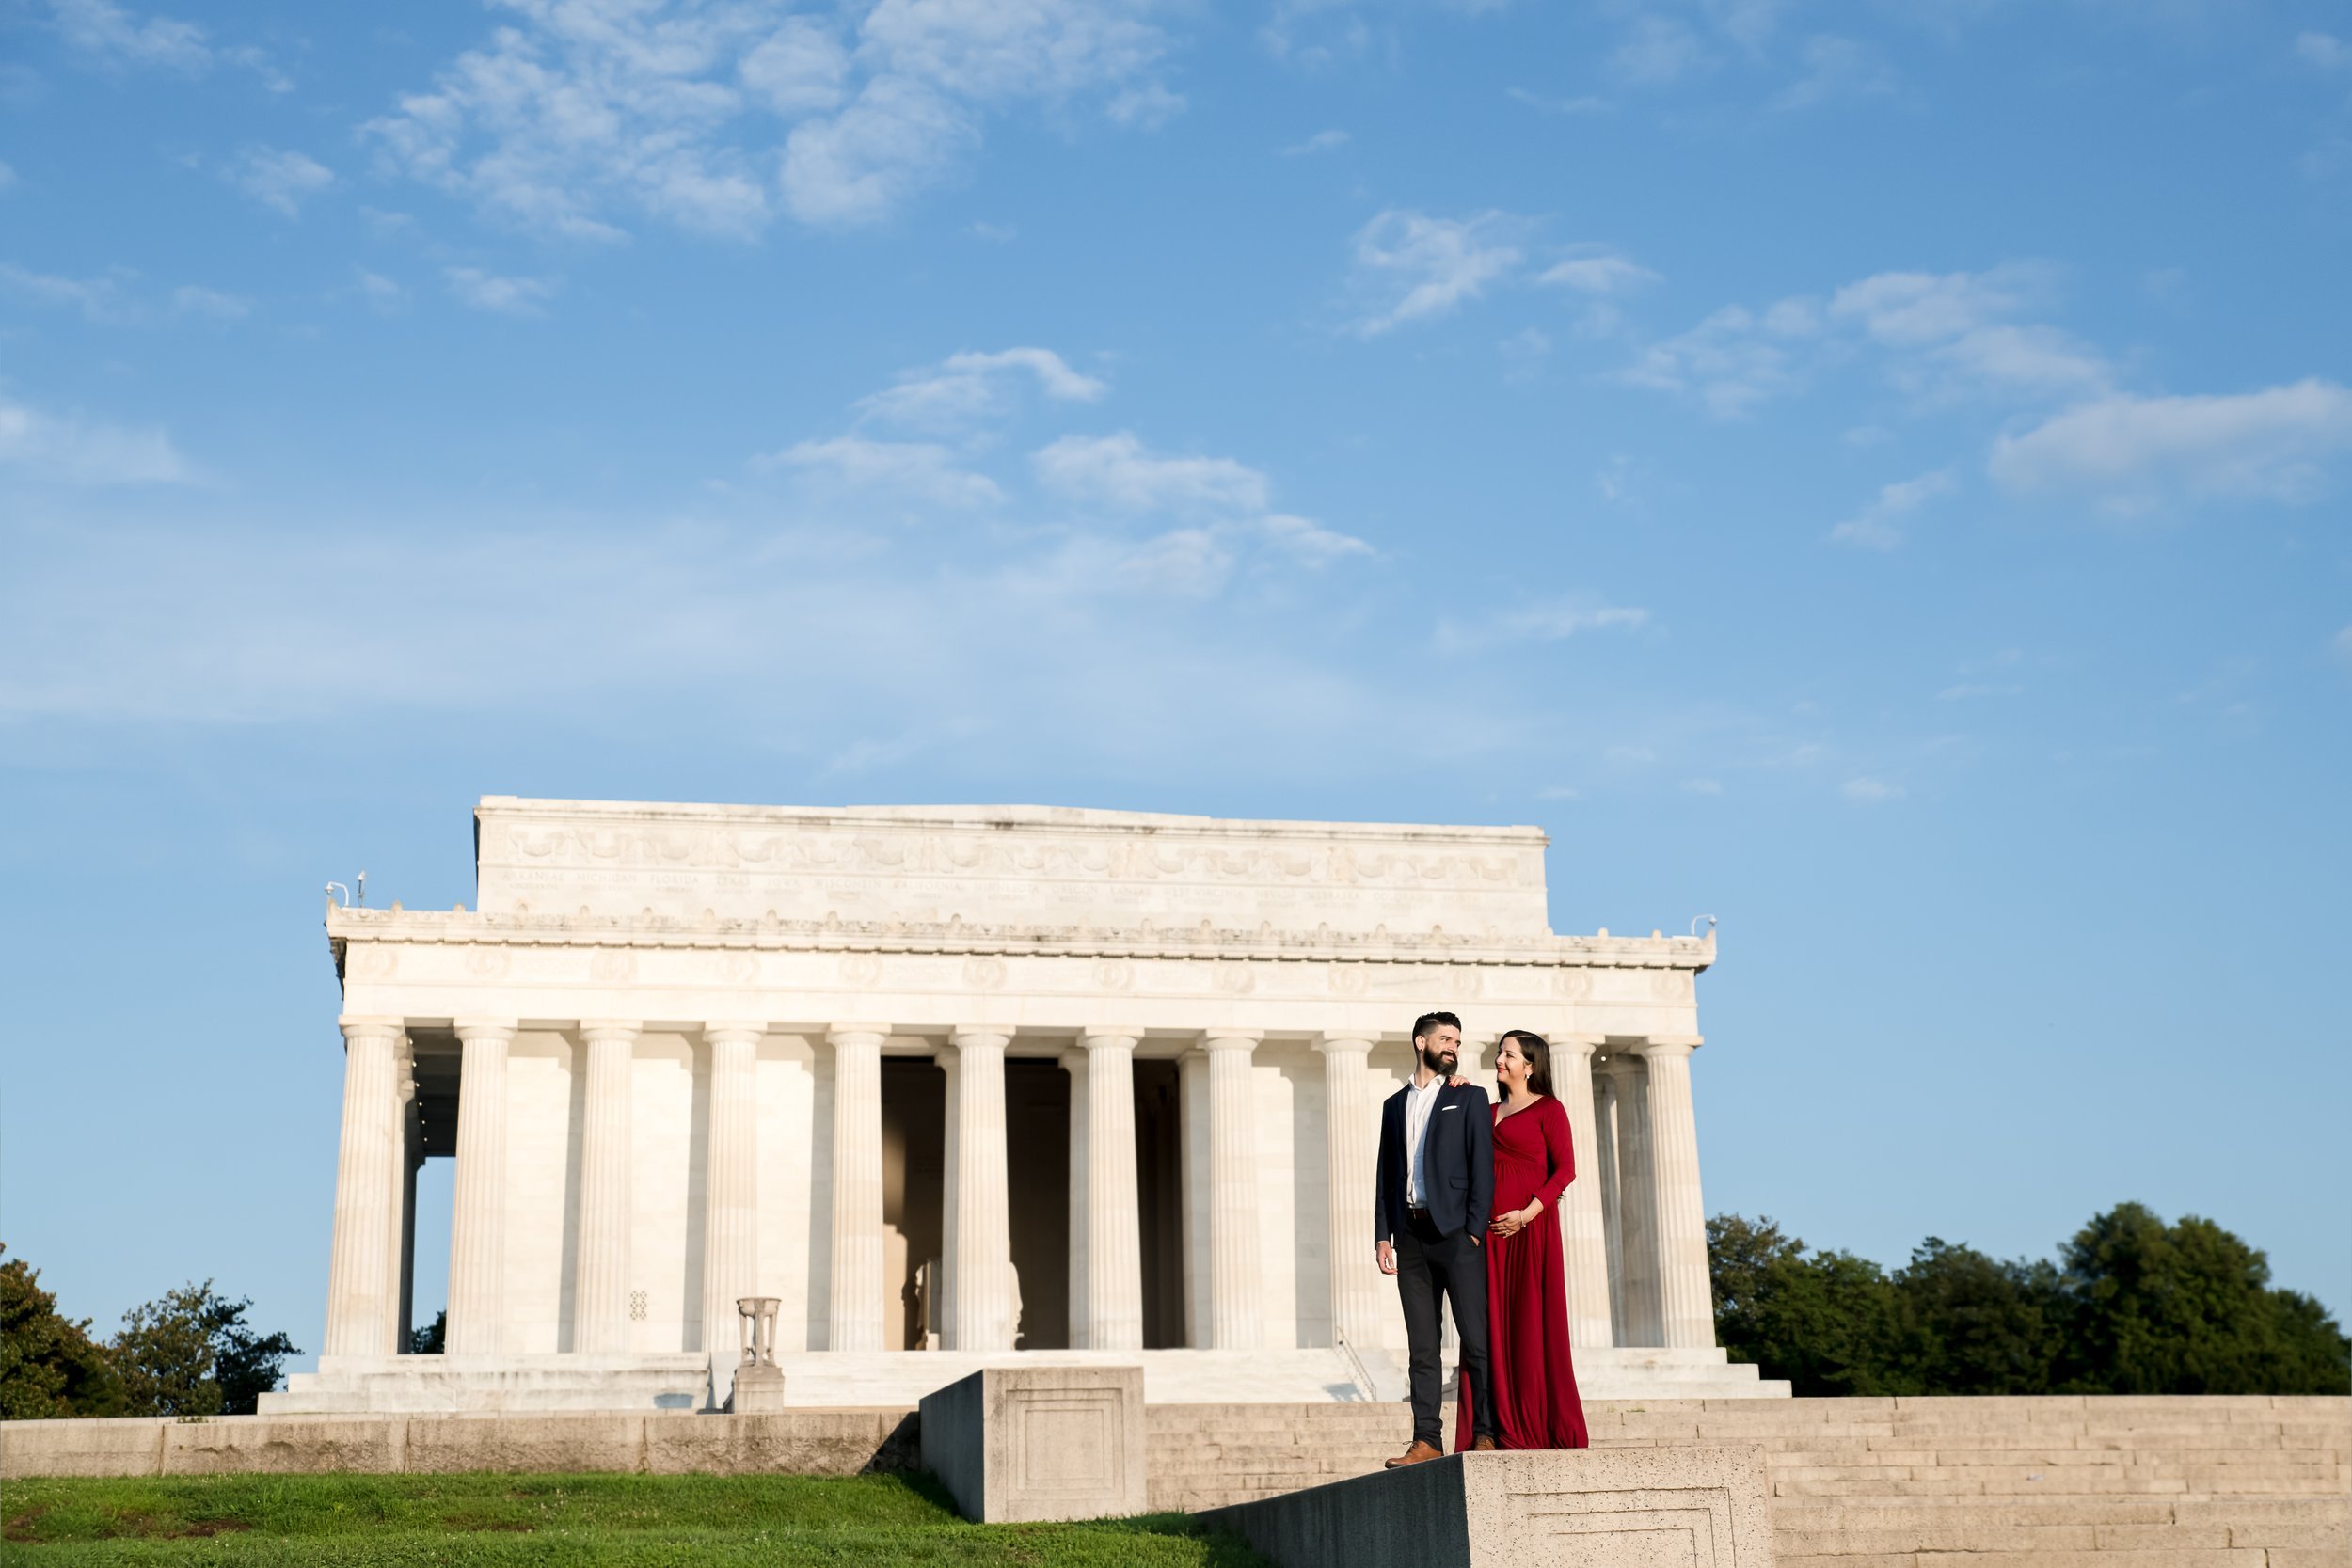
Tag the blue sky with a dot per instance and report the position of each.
(1874, 473)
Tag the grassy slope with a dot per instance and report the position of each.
(469, 1520)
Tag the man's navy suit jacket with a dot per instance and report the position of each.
(1459, 1164)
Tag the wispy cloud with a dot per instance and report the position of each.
(2324, 49)
(1118, 471)
(2133, 454)
(1734, 359)
(1411, 267)
(1836, 67)
(1876, 527)
(1553, 620)
(971, 386)
(1592, 270)
(508, 296)
(923, 469)
(190, 299)
(1870, 791)
(280, 179)
(78, 452)
(98, 299)
(581, 119)
(1322, 141)
(118, 37)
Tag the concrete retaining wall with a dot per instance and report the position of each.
(798, 1442)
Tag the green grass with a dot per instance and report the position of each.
(480, 1521)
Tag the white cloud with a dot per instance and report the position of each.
(79, 453)
(191, 300)
(1118, 471)
(512, 296)
(1145, 108)
(1657, 50)
(1963, 324)
(1541, 105)
(1418, 267)
(967, 387)
(113, 33)
(921, 469)
(1322, 141)
(280, 180)
(1733, 360)
(1598, 271)
(381, 293)
(98, 299)
(1549, 621)
(1869, 791)
(1834, 68)
(1701, 786)
(2324, 49)
(1310, 542)
(1874, 528)
(2342, 644)
(8, 176)
(577, 117)
(2136, 455)
(993, 233)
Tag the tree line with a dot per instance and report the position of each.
(2130, 1305)
(189, 1351)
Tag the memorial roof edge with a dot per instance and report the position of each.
(1059, 818)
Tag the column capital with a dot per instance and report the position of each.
(1097, 1037)
(730, 1034)
(1243, 1040)
(371, 1025)
(1585, 1043)
(1358, 1045)
(1662, 1045)
(835, 1034)
(594, 1030)
(486, 1028)
(964, 1035)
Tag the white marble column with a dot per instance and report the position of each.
(1585, 1251)
(1075, 1064)
(982, 1316)
(477, 1226)
(405, 1208)
(1113, 1246)
(600, 1266)
(943, 1300)
(362, 1316)
(1685, 1295)
(1234, 1307)
(730, 1195)
(1351, 1122)
(1637, 1206)
(1612, 1209)
(854, 1320)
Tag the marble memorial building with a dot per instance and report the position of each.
(961, 1083)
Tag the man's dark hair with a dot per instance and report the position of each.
(1427, 1021)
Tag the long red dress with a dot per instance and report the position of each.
(1527, 1290)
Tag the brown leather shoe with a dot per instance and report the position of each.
(1485, 1445)
(1420, 1453)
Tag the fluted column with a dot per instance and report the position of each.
(1349, 1125)
(405, 1199)
(1637, 1206)
(982, 1315)
(1612, 1209)
(943, 1296)
(1686, 1297)
(854, 1318)
(477, 1227)
(1114, 1219)
(1234, 1307)
(730, 1193)
(1075, 1064)
(601, 1269)
(1585, 1251)
(362, 1317)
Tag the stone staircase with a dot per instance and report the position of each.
(2057, 1483)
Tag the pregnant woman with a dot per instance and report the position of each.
(1527, 1294)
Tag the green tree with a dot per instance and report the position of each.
(2188, 1308)
(49, 1365)
(1972, 1324)
(1828, 1321)
(433, 1339)
(191, 1353)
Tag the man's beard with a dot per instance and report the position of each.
(1439, 1062)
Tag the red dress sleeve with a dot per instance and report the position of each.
(1559, 1152)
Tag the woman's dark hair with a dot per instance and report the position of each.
(1538, 1054)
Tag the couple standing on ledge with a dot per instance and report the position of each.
(1466, 1209)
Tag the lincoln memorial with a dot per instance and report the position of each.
(961, 1085)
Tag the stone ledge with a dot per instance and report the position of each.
(1563, 1508)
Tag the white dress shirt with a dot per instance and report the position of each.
(1419, 1102)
